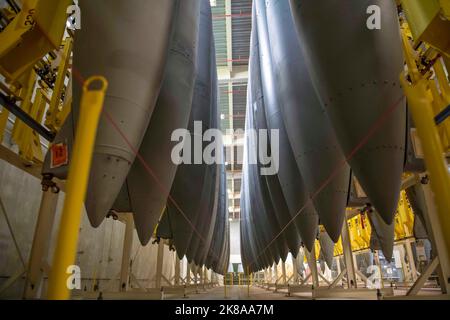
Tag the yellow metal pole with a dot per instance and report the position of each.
(65, 252)
(3, 121)
(420, 105)
(225, 282)
(248, 282)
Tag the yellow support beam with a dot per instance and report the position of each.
(20, 129)
(440, 89)
(52, 121)
(65, 252)
(30, 147)
(4, 114)
(66, 106)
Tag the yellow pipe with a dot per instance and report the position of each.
(65, 252)
(420, 106)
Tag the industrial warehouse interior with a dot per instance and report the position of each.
(187, 150)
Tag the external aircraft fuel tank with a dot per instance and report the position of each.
(289, 176)
(355, 70)
(149, 190)
(115, 42)
(382, 236)
(326, 248)
(311, 136)
(276, 208)
(193, 182)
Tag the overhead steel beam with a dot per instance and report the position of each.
(229, 34)
(239, 74)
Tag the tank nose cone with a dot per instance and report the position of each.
(383, 235)
(307, 223)
(107, 175)
(326, 248)
(360, 93)
(330, 206)
(382, 189)
(147, 211)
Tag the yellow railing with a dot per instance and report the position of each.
(65, 252)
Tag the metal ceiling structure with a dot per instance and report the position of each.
(232, 28)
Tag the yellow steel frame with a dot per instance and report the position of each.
(66, 107)
(422, 98)
(445, 6)
(26, 139)
(430, 22)
(437, 82)
(36, 26)
(420, 104)
(37, 30)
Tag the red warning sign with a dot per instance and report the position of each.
(59, 153)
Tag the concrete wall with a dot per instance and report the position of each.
(99, 252)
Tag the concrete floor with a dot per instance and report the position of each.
(257, 293)
(242, 293)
